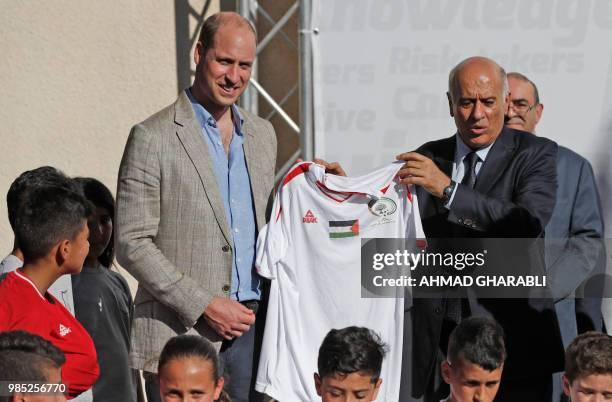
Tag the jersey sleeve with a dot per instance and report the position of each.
(273, 238)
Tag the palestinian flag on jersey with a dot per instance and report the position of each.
(339, 229)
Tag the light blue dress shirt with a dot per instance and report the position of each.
(461, 151)
(235, 188)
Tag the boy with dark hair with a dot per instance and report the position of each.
(476, 355)
(349, 364)
(26, 357)
(17, 194)
(51, 230)
(588, 368)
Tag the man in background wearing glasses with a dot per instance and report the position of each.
(574, 249)
(525, 109)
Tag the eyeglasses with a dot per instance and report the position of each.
(521, 107)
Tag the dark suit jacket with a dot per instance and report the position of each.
(514, 196)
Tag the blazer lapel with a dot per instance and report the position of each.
(252, 155)
(497, 160)
(189, 133)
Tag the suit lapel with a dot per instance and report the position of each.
(497, 160)
(189, 133)
(252, 155)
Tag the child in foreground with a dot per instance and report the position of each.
(51, 229)
(25, 357)
(475, 361)
(17, 195)
(349, 365)
(189, 369)
(588, 368)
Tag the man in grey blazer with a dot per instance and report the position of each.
(574, 234)
(192, 192)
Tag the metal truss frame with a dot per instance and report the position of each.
(251, 10)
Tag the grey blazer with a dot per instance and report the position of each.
(171, 230)
(575, 250)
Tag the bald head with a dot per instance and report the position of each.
(483, 63)
(477, 98)
(227, 19)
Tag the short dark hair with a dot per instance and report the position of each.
(49, 215)
(212, 24)
(479, 340)
(186, 346)
(521, 77)
(28, 180)
(589, 353)
(100, 196)
(26, 357)
(351, 350)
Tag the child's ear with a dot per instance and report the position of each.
(566, 385)
(377, 388)
(218, 388)
(317, 380)
(62, 252)
(446, 368)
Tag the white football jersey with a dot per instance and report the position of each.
(311, 251)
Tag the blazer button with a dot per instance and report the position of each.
(225, 248)
(438, 310)
(226, 288)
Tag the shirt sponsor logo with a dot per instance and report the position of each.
(382, 206)
(309, 217)
(341, 229)
(63, 330)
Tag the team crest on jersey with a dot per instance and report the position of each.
(382, 206)
(309, 217)
(63, 330)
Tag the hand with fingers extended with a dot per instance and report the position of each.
(228, 318)
(422, 171)
(330, 167)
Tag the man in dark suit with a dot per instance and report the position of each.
(574, 234)
(486, 181)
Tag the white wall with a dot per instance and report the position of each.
(74, 77)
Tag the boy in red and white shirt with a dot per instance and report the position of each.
(51, 229)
